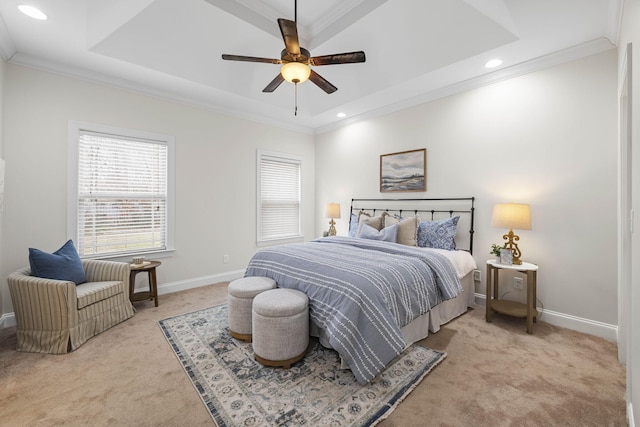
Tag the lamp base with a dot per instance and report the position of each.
(510, 243)
(332, 228)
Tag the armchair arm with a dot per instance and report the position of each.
(103, 271)
(42, 304)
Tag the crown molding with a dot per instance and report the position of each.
(586, 49)
(344, 8)
(566, 55)
(614, 20)
(7, 47)
(148, 90)
(350, 13)
(259, 17)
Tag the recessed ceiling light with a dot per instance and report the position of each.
(32, 12)
(493, 63)
(341, 115)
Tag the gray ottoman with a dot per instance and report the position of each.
(280, 327)
(240, 296)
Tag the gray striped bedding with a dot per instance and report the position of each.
(361, 292)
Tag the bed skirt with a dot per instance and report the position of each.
(431, 321)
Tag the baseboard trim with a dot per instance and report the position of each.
(8, 320)
(587, 326)
(580, 324)
(182, 285)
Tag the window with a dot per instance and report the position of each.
(279, 183)
(120, 191)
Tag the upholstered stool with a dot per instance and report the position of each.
(240, 296)
(280, 327)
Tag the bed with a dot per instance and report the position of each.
(369, 298)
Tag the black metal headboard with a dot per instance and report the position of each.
(427, 209)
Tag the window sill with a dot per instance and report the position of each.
(274, 242)
(127, 258)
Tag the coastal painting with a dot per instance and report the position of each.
(404, 171)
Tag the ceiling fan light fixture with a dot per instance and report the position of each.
(295, 72)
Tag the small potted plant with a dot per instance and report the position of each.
(495, 250)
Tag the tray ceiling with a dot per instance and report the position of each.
(416, 49)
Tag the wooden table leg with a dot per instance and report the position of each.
(535, 296)
(132, 283)
(153, 284)
(531, 285)
(488, 292)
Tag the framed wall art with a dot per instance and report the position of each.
(404, 171)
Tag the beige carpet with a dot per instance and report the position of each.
(494, 375)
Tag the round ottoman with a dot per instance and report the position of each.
(280, 327)
(240, 296)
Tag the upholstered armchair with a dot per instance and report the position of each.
(56, 316)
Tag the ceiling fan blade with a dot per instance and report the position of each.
(274, 83)
(250, 59)
(338, 58)
(289, 35)
(321, 82)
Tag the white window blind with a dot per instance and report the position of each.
(122, 194)
(279, 197)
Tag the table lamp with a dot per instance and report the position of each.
(512, 215)
(332, 210)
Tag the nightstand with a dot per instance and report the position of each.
(512, 308)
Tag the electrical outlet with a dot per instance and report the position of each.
(225, 259)
(476, 275)
(518, 283)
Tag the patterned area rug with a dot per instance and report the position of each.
(238, 391)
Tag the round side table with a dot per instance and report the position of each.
(152, 293)
(512, 308)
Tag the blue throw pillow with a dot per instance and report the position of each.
(387, 234)
(353, 225)
(438, 234)
(63, 264)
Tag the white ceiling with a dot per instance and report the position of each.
(416, 50)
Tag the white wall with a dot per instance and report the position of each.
(630, 33)
(215, 170)
(546, 138)
(4, 293)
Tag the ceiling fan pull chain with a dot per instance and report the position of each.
(295, 90)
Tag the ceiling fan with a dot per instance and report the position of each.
(296, 60)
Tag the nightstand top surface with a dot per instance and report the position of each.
(525, 266)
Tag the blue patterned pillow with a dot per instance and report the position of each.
(63, 264)
(388, 234)
(353, 225)
(439, 234)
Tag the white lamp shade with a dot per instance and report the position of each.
(295, 72)
(511, 215)
(332, 210)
